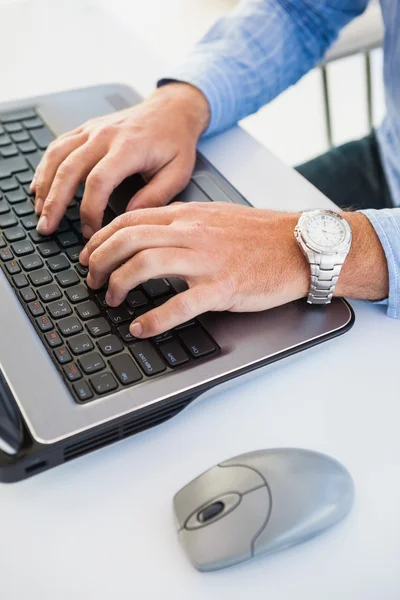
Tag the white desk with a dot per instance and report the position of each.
(101, 527)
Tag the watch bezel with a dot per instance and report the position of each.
(301, 230)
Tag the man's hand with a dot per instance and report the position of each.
(156, 138)
(231, 257)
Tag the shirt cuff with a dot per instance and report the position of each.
(386, 223)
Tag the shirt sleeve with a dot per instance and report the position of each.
(258, 50)
(386, 223)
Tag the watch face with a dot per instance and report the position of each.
(326, 230)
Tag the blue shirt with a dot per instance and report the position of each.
(264, 46)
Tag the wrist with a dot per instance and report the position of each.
(190, 103)
(364, 274)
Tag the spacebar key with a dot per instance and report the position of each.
(8, 166)
(34, 159)
(148, 359)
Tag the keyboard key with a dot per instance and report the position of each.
(42, 137)
(74, 252)
(20, 135)
(83, 271)
(27, 294)
(25, 177)
(29, 263)
(125, 369)
(148, 359)
(163, 300)
(72, 372)
(7, 220)
(2, 242)
(67, 278)
(16, 196)
(23, 209)
(82, 390)
(162, 337)
(98, 327)
(12, 267)
(48, 249)
(73, 213)
(91, 363)
(37, 237)
(156, 287)
(13, 127)
(77, 294)
(36, 309)
(44, 323)
(53, 339)
(9, 166)
(4, 208)
(63, 226)
(58, 309)
(9, 184)
(22, 248)
(110, 345)
(33, 159)
(6, 254)
(67, 239)
(77, 225)
(125, 334)
(101, 298)
(30, 222)
(173, 353)
(80, 344)
(197, 342)
(119, 314)
(62, 355)
(20, 280)
(103, 383)
(136, 299)
(27, 147)
(58, 263)
(32, 123)
(4, 140)
(7, 151)
(25, 113)
(69, 326)
(14, 234)
(87, 310)
(40, 277)
(80, 191)
(49, 293)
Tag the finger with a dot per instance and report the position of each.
(153, 263)
(141, 217)
(181, 308)
(68, 177)
(123, 245)
(164, 186)
(56, 153)
(101, 182)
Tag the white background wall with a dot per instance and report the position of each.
(293, 125)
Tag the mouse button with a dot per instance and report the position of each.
(212, 484)
(227, 540)
(217, 508)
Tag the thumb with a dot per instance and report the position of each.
(164, 186)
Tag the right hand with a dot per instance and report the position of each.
(156, 138)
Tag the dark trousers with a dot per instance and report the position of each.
(351, 175)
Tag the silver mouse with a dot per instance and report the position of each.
(260, 502)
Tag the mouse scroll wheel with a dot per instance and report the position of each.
(210, 512)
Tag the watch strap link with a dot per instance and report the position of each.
(325, 271)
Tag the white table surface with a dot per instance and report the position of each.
(101, 527)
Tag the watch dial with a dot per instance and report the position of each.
(326, 230)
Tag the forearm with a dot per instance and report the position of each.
(258, 50)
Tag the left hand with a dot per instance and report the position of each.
(231, 257)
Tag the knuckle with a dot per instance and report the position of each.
(104, 132)
(117, 282)
(96, 180)
(182, 307)
(145, 260)
(95, 262)
(65, 170)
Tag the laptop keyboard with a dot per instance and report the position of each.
(89, 342)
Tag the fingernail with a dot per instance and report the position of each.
(136, 329)
(87, 231)
(83, 257)
(42, 225)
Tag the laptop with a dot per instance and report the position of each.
(72, 378)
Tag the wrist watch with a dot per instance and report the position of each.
(325, 239)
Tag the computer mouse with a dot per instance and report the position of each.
(260, 502)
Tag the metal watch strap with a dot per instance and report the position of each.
(325, 272)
